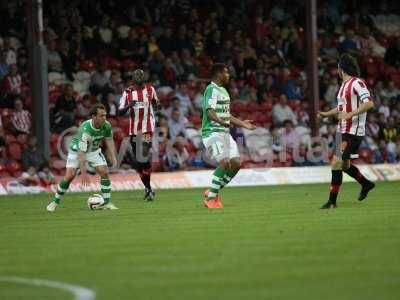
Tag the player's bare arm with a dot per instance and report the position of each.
(362, 109)
(247, 124)
(213, 116)
(110, 152)
(329, 113)
(82, 167)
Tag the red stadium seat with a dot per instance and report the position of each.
(14, 151)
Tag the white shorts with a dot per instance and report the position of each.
(221, 145)
(95, 159)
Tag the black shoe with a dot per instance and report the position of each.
(149, 195)
(328, 205)
(365, 190)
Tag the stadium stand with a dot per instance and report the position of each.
(94, 46)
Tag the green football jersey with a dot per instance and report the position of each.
(88, 138)
(217, 98)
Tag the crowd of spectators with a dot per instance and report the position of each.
(93, 47)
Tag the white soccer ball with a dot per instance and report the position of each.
(95, 201)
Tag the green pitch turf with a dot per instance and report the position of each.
(268, 243)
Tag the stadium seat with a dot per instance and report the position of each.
(14, 151)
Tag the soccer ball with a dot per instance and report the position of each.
(95, 201)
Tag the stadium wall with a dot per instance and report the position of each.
(191, 179)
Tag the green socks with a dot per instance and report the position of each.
(61, 189)
(229, 174)
(105, 185)
(216, 182)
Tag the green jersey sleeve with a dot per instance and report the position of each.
(108, 133)
(210, 98)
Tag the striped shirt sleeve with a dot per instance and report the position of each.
(362, 91)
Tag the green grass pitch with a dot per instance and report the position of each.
(268, 243)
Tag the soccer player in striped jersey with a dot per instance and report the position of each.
(140, 100)
(85, 147)
(354, 100)
(215, 134)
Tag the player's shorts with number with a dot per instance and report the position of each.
(95, 159)
(221, 145)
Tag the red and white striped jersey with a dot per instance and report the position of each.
(22, 121)
(141, 116)
(351, 95)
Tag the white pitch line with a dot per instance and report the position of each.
(80, 293)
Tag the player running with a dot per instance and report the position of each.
(140, 100)
(215, 134)
(85, 146)
(354, 100)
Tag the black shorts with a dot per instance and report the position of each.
(141, 143)
(348, 145)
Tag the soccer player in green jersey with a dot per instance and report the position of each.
(215, 134)
(85, 146)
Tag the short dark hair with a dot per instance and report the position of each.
(217, 68)
(95, 108)
(349, 65)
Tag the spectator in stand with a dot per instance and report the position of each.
(176, 157)
(53, 57)
(83, 107)
(331, 91)
(100, 80)
(111, 106)
(281, 112)
(392, 55)
(350, 43)
(12, 86)
(390, 131)
(21, 119)
(4, 67)
(176, 125)
(32, 156)
(11, 54)
(174, 105)
(382, 155)
(372, 128)
(391, 92)
(166, 41)
(46, 176)
(183, 96)
(290, 137)
(30, 177)
(385, 108)
(127, 46)
(63, 114)
(3, 153)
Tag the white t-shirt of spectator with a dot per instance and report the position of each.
(281, 113)
(177, 128)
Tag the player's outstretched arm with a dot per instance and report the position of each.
(213, 117)
(244, 124)
(329, 113)
(110, 152)
(364, 107)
